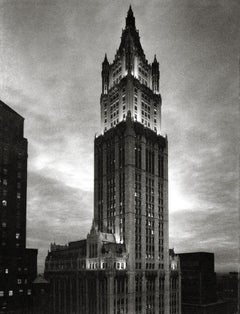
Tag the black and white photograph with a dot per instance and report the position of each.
(119, 157)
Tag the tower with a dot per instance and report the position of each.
(123, 265)
(131, 170)
(18, 265)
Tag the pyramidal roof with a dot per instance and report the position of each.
(130, 36)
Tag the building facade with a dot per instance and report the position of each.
(124, 266)
(18, 265)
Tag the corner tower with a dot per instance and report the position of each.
(131, 171)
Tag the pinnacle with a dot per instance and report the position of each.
(130, 19)
(130, 11)
(105, 58)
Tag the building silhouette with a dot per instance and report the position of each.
(123, 266)
(18, 265)
(198, 285)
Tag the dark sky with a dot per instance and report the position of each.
(50, 63)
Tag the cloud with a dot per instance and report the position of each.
(210, 230)
(56, 212)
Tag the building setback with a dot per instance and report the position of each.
(123, 266)
(18, 265)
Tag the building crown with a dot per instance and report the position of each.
(130, 63)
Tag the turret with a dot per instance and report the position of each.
(155, 76)
(105, 75)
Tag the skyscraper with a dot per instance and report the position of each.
(18, 265)
(131, 173)
(124, 263)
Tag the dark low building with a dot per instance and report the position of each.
(40, 303)
(198, 285)
(18, 265)
(227, 289)
(198, 278)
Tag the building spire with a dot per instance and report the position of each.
(130, 19)
(105, 59)
(130, 12)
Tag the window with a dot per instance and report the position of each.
(10, 293)
(4, 181)
(19, 281)
(18, 195)
(17, 235)
(4, 203)
(4, 224)
(6, 270)
(29, 292)
(1, 293)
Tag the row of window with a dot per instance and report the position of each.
(116, 265)
(6, 270)
(10, 293)
(138, 289)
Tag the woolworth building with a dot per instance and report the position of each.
(124, 265)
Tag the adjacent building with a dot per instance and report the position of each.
(198, 285)
(123, 266)
(18, 265)
(227, 289)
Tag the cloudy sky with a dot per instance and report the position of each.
(50, 63)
